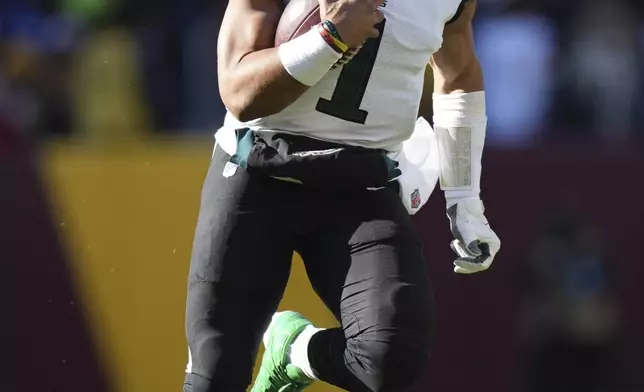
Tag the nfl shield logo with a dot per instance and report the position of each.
(415, 199)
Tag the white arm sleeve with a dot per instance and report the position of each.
(460, 123)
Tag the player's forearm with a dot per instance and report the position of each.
(467, 79)
(256, 79)
(258, 86)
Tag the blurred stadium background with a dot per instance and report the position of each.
(107, 110)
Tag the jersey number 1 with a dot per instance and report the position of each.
(352, 84)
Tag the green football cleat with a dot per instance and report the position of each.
(276, 373)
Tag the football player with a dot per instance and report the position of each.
(307, 161)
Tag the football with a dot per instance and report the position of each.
(299, 16)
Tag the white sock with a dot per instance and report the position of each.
(299, 351)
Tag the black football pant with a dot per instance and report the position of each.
(362, 257)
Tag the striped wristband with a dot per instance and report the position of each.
(336, 44)
(331, 29)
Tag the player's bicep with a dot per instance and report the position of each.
(455, 65)
(457, 33)
(462, 17)
(248, 26)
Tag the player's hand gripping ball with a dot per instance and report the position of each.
(353, 19)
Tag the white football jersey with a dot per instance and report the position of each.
(373, 101)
